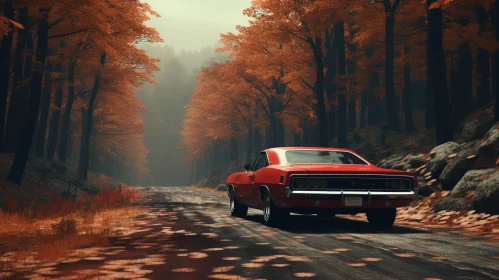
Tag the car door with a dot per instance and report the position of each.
(257, 178)
(244, 188)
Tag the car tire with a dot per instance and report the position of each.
(236, 208)
(272, 214)
(382, 218)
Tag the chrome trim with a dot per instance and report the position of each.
(369, 199)
(343, 193)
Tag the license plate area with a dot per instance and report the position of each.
(353, 201)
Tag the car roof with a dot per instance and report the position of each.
(307, 148)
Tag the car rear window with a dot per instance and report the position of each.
(322, 156)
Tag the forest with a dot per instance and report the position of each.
(70, 70)
(309, 73)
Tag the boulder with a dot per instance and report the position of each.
(426, 189)
(470, 181)
(451, 204)
(458, 166)
(391, 162)
(489, 146)
(486, 197)
(477, 126)
(439, 157)
(417, 161)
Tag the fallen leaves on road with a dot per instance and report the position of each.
(304, 274)
(226, 277)
(356, 264)
(345, 237)
(231, 258)
(198, 255)
(184, 269)
(252, 265)
(405, 255)
(223, 268)
(280, 265)
(330, 252)
(372, 259)
(342, 249)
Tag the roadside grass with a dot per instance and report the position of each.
(49, 233)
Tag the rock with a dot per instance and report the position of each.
(477, 127)
(439, 155)
(458, 166)
(417, 161)
(470, 181)
(486, 197)
(392, 161)
(451, 204)
(490, 143)
(426, 190)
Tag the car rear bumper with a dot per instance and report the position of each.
(336, 199)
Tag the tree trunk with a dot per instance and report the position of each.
(352, 114)
(297, 139)
(55, 119)
(393, 120)
(250, 145)
(5, 50)
(22, 151)
(363, 109)
(19, 97)
(306, 134)
(465, 83)
(342, 121)
(496, 62)
(44, 114)
(430, 100)
(85, 139)
(321, 106)
(407, 95)
(482, 64)
(66, 121)
(331, 64)
(234, 149)
(342, 102)
(436, 53)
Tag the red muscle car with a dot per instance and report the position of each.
(322, 181)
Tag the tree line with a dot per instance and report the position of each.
(312, 68)
(69, 70)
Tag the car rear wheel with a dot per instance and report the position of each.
(236, 208)
(272, 214)
(382, 218)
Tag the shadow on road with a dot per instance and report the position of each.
(313, 224)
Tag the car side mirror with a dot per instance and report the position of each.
(247, 167)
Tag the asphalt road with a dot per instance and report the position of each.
(334, 248)
(190, 235)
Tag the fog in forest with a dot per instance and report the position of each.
(191, 31)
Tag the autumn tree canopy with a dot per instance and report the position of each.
(310, 71)
(77, 62)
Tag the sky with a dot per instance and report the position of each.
(193, 24)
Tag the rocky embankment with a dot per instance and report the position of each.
(469, 170)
